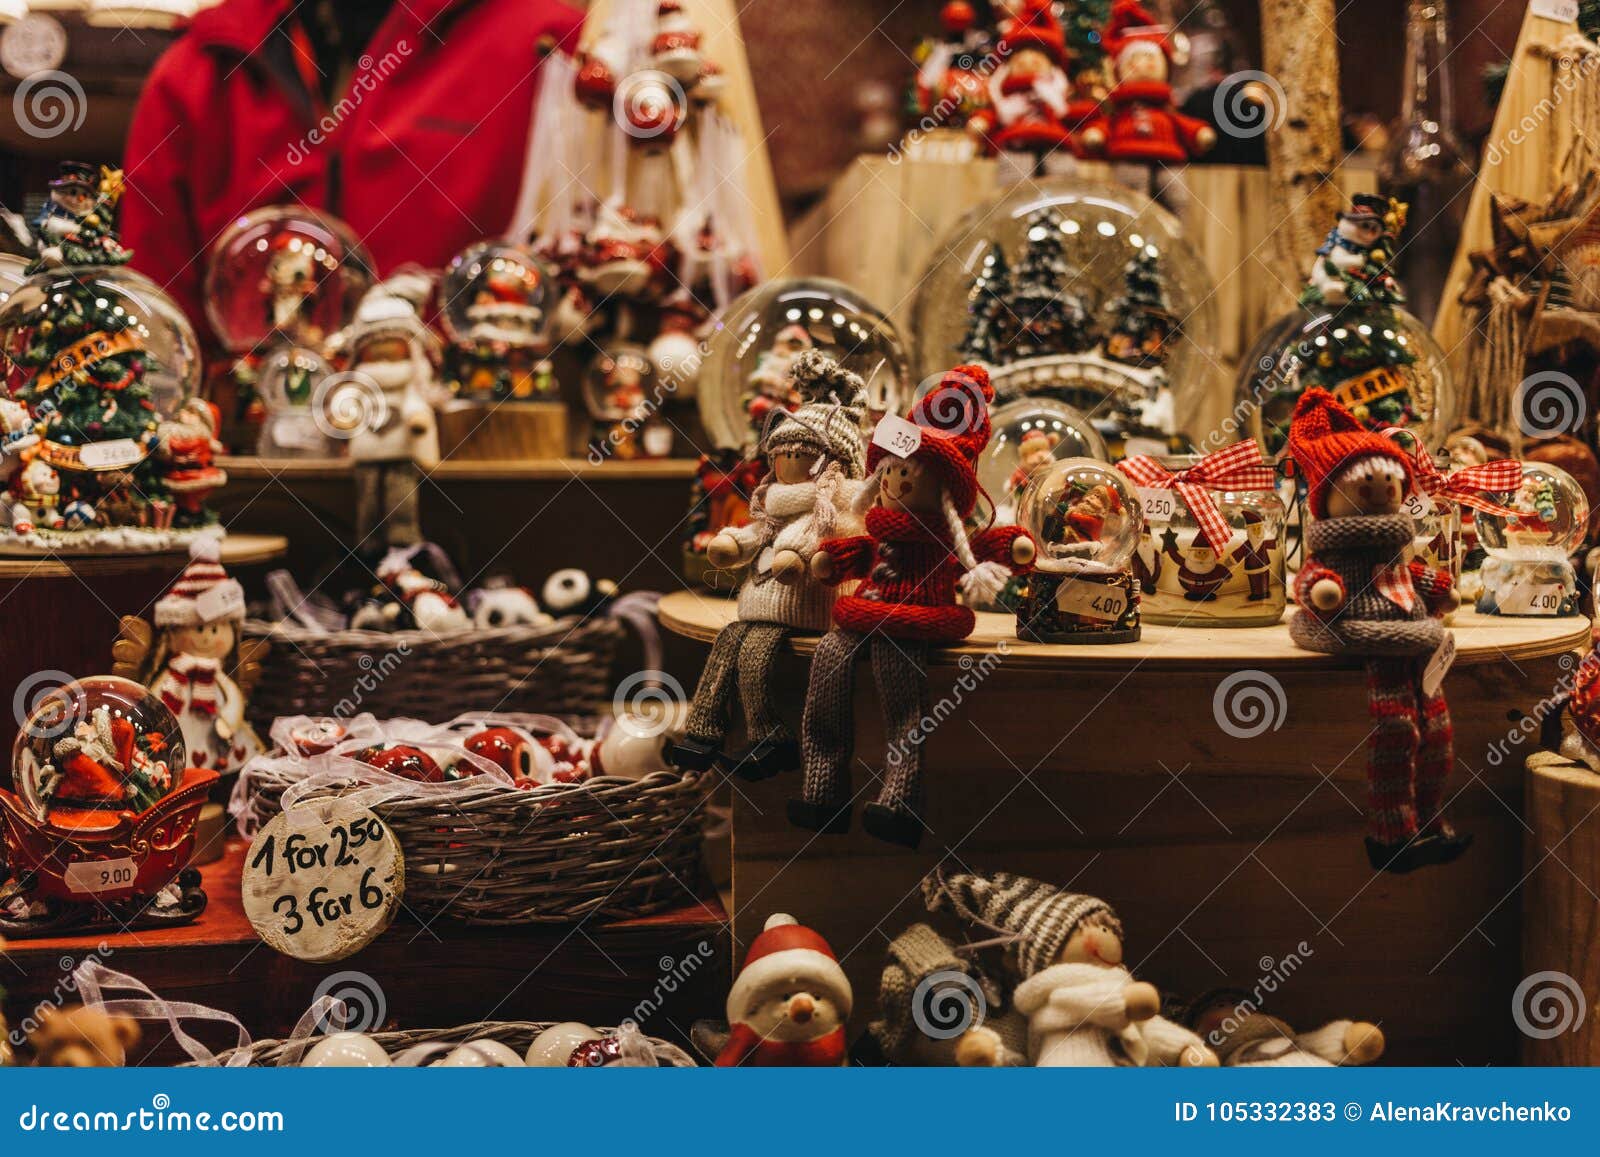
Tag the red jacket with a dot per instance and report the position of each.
(424, 158)
(910, 571)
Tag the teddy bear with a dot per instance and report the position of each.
(78, 1037)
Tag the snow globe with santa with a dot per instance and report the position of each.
(1027, 436)
(1086, 519)
(495, 301)
(1080, 291)
(1351, 335)
(1528, 569)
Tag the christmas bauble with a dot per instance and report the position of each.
(407, 761)
(676, 355)
(1083, 514)
(346, 1050)
(482, 1054)
(553, 1048)
(496, 292)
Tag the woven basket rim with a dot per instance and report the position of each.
(296, 634)
(395, 1040)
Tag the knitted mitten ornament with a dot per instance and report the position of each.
(1244, 1036)
(913, 557)
(816, 454)
(1083, 1008)
(1358, 595)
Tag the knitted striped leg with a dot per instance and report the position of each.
(900, 668)
(1392, 750)
(756, 654)
(1435, 759)
(708, 713)
(828, 728)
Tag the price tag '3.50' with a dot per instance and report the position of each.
(898, 436)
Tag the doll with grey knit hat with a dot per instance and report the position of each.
(816, 460)
(1245, 1037)
(1064, 949)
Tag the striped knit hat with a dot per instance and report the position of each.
(1042, 917)
(829, 421)
(200, 586)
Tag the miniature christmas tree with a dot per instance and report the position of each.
(989, 321)
(1049, 317)
(1142, 321)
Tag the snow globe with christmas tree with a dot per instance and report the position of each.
(281, 275)
(1530, 541)
(1027, 436)
(287, 384)
(495, 302)
(1080, 291)
(1351, 335)
(113, 452)
(745, 374)
(1086, 519)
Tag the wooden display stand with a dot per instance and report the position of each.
(62, 612)
(663, 970)
(501, 431)
(1228, 853)
(1560, 915)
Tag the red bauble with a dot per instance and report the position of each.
(596, 84)
(507, 749)
(404, 760)
(315, 737)
(957, 16)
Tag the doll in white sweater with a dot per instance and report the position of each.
(816, 459)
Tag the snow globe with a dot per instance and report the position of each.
(1081, 291)
(496, 303)
(288, 382)
(1028, 435)
(1528, 569)
(623, 396)
(1086, 519)
(100, 818)
(284, 273)
(1192, 579)
(1351, 335)
(757, 337)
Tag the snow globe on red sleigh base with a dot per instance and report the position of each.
(100, 815)
(1086, 520)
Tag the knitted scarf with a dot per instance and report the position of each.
(1076, 1017)
(198, 677)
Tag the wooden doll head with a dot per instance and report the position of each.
(1094, 941)
(208, 640)
(910, 486)
(1367, 485)
(794, 463)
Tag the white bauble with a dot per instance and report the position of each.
(346, 1050)
(553, 1047)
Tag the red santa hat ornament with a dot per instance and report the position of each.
(1133, 28)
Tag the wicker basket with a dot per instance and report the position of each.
(563, 668)
(516, 1035)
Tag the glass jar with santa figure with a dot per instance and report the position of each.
(745, 375)
(1351, 335)
(1212, 574)
(1081, 291)
(1528, 569)
(1437, 541)
(496, 300)
(1086, 520)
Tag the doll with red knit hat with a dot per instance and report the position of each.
(789, 1004)
(914, 557)
(1030, 95)
(1142, 123)
(1359, 595)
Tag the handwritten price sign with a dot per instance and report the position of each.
(1092, 600)
(322, 889)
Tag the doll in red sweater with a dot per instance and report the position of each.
(1142, 124)
(913, 558)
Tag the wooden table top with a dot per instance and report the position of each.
(1480, 639)
(250, 468)
(237, 550)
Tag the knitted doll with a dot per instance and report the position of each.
(913, 556)
(1359, 596)
(789, 1003)
(1244, 1036)
(815, 454)
(1084, 1009)
(1580, 741)
(1030, 94)
(1143, 124)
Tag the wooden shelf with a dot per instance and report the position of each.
(237, 550)
(248, 467)
(1480, 639)
(432, 973)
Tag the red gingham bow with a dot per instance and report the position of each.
(1467, 486)
(1236, 467)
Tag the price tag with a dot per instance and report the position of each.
(323, 889)
(97, 876)
(1418, 505)
(1439, 664)
(1091, 600)
(219, 601)
(294, 432)
(1160, 506)
(1526, 598)
(898, 436)
(111, 455)
(1565, 11)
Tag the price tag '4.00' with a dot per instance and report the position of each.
(1091, 600)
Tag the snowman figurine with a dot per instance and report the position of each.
(36, 498)
(789, 1004)
(1345, 251)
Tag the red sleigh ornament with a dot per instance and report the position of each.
(100, 822)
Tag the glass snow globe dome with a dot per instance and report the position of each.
(1379, 360)
(1550, 520)
(758, 335)
(1079, 290)
(493, 292)
(1084, 515)
(284, 273)
(105, 324)
(1028, 435)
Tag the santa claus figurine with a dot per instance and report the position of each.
(789, 1004)
(1030, 95)
(1142, 123)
